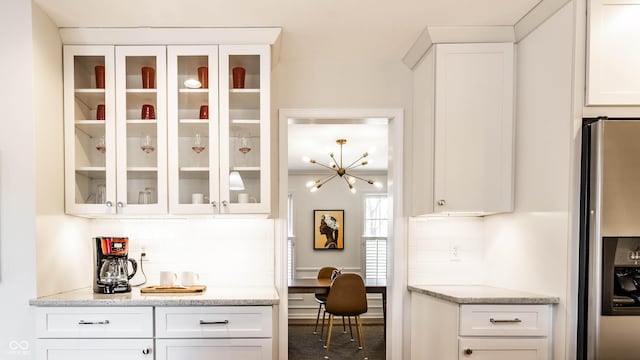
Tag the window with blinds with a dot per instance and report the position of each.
(375, 232)
(290, 236)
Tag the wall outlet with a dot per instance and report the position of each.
(454, 251)
(144, 254)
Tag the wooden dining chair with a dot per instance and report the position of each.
(347, 297)
(321, 296)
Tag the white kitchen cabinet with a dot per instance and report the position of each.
(68, 333)
(463, 130)
(234, 134)
(446, 330)
(128, 164)
(228, 332)
(613, 76)
(106, 170)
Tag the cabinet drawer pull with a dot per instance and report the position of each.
(82, 322)
(510, 321)
(146, 351)
(202, 322)
(442, 202)
(468, 351)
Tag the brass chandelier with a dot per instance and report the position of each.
(341, 171)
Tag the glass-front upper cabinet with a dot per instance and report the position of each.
(193, 129)
(244, 84)
(141, 130)
(89, 125)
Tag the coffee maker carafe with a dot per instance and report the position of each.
(111, 272)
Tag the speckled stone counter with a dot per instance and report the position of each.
(480, 294)
(221, 296)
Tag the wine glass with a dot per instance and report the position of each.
(198, 144)
(244, 147)
(146, 144)
(100, 145)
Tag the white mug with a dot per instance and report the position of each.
(168, 278)
(197, 198)
(188, 278)
(243, 198)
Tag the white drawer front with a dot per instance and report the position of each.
(214, 322)
(503, 349)
(94, 322)
(504, 320)
(94, 349)
(207, 349)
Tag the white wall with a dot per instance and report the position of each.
(17, 181)
(59, 237)
(334, 195)
(529, 249)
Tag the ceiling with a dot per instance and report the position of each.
(317, 141)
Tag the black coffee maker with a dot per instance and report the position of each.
(111, 265)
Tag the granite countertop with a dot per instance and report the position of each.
(230, 296)
(480, 294)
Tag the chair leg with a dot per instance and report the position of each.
(315, 330)
(329, 330)
(361, 337)
(322, 327)
(350, 328)
(344, 326)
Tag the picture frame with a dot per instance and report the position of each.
(328, 229)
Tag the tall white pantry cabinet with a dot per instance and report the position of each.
(171, 147)
(463, 130)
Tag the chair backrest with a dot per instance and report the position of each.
(348, 296)
(325, 272)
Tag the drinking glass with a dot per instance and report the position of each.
(146, 144)
(143, 197)
(100, 145)
(198, 146)
(101, 194)
(244, 146)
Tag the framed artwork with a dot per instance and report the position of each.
(328, 229)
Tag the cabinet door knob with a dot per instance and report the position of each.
(225, 203)
(109, 204)
(214, 204)
(442, 202)
(146, 351)
(468, 351)
(120, 204)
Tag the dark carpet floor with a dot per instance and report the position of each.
(304, 345)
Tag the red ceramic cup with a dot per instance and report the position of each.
(148, 112)
(204, 112)
(238, 77)
(148, 77)
(99, 77)
(100, 114)
(203, 77)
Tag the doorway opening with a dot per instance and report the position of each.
(372, 233)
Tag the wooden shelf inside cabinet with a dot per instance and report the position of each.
(193, 91)
(245, 121)
(194, 173)
(245, 168)
(142, 172)
(90, 97)
(92, 172)
(92, 128)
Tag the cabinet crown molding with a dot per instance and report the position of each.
(173, 36)
(455, 34)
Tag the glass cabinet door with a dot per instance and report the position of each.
(141, 129)
(193, 129)
(244, 128)
(89, 108)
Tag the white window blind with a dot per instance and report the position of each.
(375, 232)
(290, 236)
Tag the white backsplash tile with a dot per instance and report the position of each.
(223, 251)
(431, 258)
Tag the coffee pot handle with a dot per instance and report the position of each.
(134, 264)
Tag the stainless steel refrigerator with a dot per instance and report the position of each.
(609, 289)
